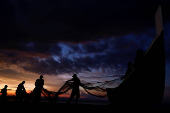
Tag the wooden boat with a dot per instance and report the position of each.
(145, 85)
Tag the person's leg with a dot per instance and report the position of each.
(76, 100)
(71, 97)
(37, 96)
(77, 96)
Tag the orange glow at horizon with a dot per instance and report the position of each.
(14, 78)
(12, 93)
(68, 96)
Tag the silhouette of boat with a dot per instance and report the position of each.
(146, 85)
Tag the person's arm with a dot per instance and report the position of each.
(1, 90)
(81, 84)
(43, 83)
(36, 83)
(6, 91)
(70, 80)
(23, 87)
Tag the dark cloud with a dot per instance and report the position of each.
(92, 47)
(45, 23)
(74, 21)
(110, 30)
(50, 66)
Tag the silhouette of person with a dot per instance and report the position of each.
(4, 94)
(129, 70)
(75, 90)
(38, 89)
(139, 59)
(20, 92)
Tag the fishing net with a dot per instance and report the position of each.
(52, 96)
(99, 89)
(96, 89)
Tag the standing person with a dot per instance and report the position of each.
(129, 70)
(38, 89)
(75, 90)
(4, 94)
(20, 92)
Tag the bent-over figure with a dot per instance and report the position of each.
(20, 92)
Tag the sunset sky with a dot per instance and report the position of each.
(92, 38)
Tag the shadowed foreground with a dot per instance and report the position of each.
(45, 107)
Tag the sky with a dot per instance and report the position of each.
(93, 38)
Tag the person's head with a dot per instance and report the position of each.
(41, 76)
(5, 86)
(130, 64)
(23, 82)
(74, 75)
